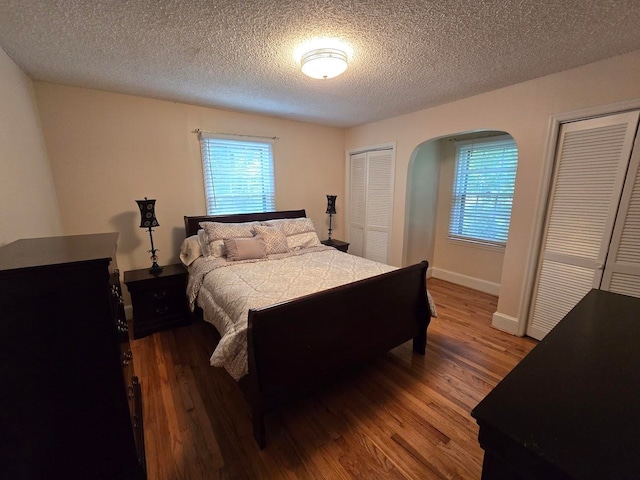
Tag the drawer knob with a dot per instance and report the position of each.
(161, 310)
(161, 294)
(126, 358)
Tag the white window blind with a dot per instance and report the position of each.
(483, 190)
(238, 175)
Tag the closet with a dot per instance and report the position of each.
(591, 237)
(371, 203)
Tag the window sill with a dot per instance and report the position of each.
(476, 244)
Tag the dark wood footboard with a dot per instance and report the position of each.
(294, 343)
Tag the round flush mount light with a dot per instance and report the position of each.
(324, 63)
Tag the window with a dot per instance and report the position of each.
(483, 190)
(238, 175)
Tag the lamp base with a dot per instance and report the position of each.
(155, 268)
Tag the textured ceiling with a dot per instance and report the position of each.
(239, 55)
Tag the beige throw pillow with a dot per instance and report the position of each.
(245, 248)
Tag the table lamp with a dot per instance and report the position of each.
(148, 220)
(331, 209)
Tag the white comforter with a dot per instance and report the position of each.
(227, 290)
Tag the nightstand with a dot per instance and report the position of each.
(159, 301)
(337, 244)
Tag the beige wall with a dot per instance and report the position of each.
(107, 150)
(524, 111)
(453, 260)
(28, 203)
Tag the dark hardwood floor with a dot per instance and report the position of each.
(401, 416)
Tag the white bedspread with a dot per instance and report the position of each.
(227, 290)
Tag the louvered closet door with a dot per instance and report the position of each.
(371, 203)
(590, 167)
(378, 206)
(622, 271)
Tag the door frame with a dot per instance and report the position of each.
(553, 132)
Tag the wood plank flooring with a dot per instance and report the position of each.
(401, 416)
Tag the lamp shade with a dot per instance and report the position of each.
(147, 213)
(331, 204)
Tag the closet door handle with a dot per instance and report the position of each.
(599, 266)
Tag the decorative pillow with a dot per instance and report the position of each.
(300, 232)
(274, 238)
(245, 248)
(303, 240)
(216, 232)
(190, 250)
(291, 226)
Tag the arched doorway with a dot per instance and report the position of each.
(430, 179)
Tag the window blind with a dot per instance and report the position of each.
(483, 190)
(238, 175)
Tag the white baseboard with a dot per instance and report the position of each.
(429, 272)
(505, 323)
(466, 281)
(128, 312)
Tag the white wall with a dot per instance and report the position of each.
(28, 202)
(524, 111)
(108, 150)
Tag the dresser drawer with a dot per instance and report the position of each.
(135, 407)
(158, 302)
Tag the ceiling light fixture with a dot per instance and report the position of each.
(324, 63)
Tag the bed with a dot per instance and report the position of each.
(295, 344)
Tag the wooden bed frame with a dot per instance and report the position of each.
(295, 344)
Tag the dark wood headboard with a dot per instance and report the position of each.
(192, 224)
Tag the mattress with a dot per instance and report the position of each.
(226, 291)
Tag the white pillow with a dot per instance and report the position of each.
(190, 250)
(303, 240)
(300, 232)
(202, 240)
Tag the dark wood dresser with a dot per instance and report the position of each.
(571, 408)
(70, 404)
